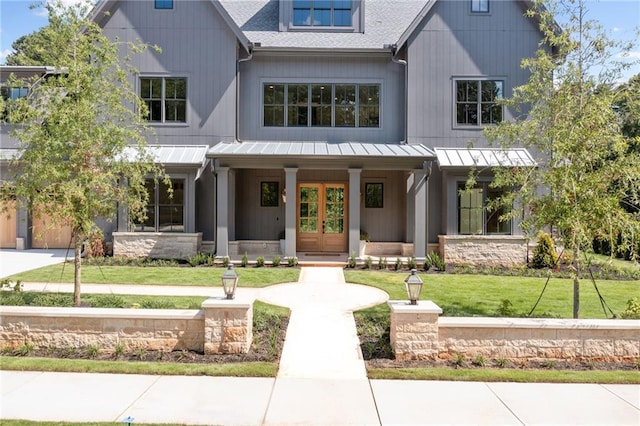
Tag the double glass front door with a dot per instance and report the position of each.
(322, 217)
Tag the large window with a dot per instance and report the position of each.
(321, 13)
(166, 99)
(10, 95)
(477, 102)
(165, 210)
(473, 215)
(321, 105)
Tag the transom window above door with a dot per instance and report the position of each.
(321, 105)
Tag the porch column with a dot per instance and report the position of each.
(222, 211)
(420, 214)
(354, 211)
(290, 188)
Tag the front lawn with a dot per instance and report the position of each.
(159, 275)
(483, 295)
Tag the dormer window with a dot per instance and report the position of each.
(479, 6)
(322, 13)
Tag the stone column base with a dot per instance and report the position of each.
(228, 326)
(414, 329)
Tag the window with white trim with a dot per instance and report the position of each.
(477, 102)
(165, 209)
(474, 218)
(164, 4)
(321, 105)
(322, 13)
(166, 99)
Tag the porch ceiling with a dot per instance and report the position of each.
(321, 155)
(464, 158)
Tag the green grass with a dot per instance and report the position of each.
(169, 275)
(163, 302)
(506, 375)
(240, 369)
(6, 422)
(481, 295)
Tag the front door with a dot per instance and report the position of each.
(322, 217)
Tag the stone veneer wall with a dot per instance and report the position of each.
(222, 326)
(418, 333)
(498, 250)
(157, 245)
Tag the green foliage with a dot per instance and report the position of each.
(259, 261)
(75, 148)
(292, 261)
(351, 262)
(149, 303)
(276, 260)
(502, 362)
(226, 261)
(373, 329)
(412, 263)
(506, 309)
(633, 309)
(15, 286)
(368, 262)
(435, 261)
(382, 263)
(479, 361)
(92, 351)
(199, 259)
(108, 301)
(53, 299)
(118, 350)
(458, 360)
(95, 245)
(544, 253)
(245, 260)
(25, 350)
(364, 235)
(565, 115)
(398, 265)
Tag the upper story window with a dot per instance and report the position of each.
(322, 13)
(9, 95)
(164, 4)
(166, 99)
(321, 105)
(477, 102)
(474, 218)
(479, 6)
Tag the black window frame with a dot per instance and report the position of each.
(269, 194)
(157, 204)
(169, 106)
(464, 106)
(374, 195)
(490, 221)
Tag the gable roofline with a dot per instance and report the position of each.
(103, 6)
(525, 4)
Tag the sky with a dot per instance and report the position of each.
(619, 18)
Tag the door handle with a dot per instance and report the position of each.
(323, 226)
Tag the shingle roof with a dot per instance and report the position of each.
(385, 22)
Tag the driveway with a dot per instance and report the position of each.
(15, 261)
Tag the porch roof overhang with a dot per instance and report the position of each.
(320, 155)
(174, 155)
(466, 158)
(8, 154)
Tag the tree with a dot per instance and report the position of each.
(30, 49)
(83, 149)
(585, 167)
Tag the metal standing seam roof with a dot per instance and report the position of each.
(180, 155)
(8, 154)
(483, 157)
(318, 149)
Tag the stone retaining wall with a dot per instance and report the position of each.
(156, 245)
(418, 333)
(498, 250)
(222, 326)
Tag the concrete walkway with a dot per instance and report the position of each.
(16, 261)
(322, 380)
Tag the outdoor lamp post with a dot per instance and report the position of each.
(229, 282)
(413, 284)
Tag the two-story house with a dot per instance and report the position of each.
(312, 121)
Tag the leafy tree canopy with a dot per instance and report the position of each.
(585, 167)
(83, 141)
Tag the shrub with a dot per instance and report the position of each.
(437, 262)
(95, 246)
(198, 259)
(259, 262)
(427, 263)
(25, 349)
(245, 260)
(92, 351)
(12, 299)
(633, 309)
(53, 300)
(226, 261)
(149, 303)
(382, 263)
(276, 260)
(398, 265)
(108, 301)
(368, 262)
(411, 263)
(458, 360)
(292, 261)
(544, 254)
(479, 361)
(351, 262)
(506, 309)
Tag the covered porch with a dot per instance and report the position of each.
(315, 200)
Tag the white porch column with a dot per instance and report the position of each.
(420, 216)
(290, 211)
(354, 211)
(222, 211)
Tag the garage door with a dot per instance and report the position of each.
(46, 236)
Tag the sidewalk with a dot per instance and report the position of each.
(322, 380)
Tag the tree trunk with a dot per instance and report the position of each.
(576, 284)
(77, 263)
